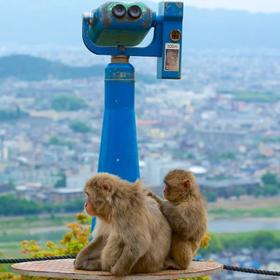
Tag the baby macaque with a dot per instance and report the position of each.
(187, 215)
(131, 235)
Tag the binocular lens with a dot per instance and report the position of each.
(119, 11)
(134, 11)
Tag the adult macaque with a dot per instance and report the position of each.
(187, 215)
(131, 236)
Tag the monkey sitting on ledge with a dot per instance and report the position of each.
(131, 235)
(186, 213)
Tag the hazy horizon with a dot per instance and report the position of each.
(256, 6)
(58, 23)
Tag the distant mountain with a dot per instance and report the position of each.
(53, 22)
(220, 29)
(30, 68)
(24, 67)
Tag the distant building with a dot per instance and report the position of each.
(38, 192)
(155, 169)
(80, 177)
(23, 175)
(33, 191)
(64, 195)
(217, 141)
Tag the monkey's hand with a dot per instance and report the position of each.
(130, 254)
(106, 265)
(91, 265)
(80, 261)
(166, 208)
(175, 220)
(119, 271)
(155, 197)
(87, 253)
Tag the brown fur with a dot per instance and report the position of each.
(186, 213)
(127, 238)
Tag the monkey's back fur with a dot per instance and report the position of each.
(186, 213)
(160, 236)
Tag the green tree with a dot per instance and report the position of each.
(211, 196)
(254, 240)
(12, 114)
(80, 127)
(271, 190)
(265, 240)
(61, 182)
(240, 191)
(227, 156)
(10, 205)
(58, 141)
(271, 185)
(74, 205)
(68, 103)
(11, 184)
(269, 179)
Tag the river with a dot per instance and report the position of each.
(243, 224)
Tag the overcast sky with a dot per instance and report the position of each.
(267, 6)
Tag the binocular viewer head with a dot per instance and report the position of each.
(116, 28)
(120, 24)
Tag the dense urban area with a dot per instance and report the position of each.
(221, 121)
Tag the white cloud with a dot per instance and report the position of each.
(266, 6)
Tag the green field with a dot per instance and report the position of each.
(273, 211)
(10, 249)
(254, 240)
(14, 230)
(34, 221)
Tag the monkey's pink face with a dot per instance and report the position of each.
(88, 206)
(166, 191)
(172, 192)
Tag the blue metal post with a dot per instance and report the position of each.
(118, 151)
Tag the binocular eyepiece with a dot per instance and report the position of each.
(120, 11)
(120, 24)
(134, 12)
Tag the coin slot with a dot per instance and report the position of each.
(175, 35)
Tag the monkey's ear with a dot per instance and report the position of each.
(187, 184)
(107, 187)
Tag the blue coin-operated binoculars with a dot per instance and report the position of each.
(116, 29)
